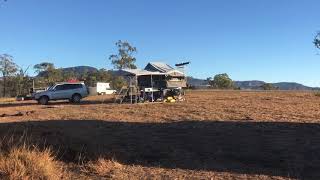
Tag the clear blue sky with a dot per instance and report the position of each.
(268, 40)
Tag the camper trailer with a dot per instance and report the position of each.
(153, 83)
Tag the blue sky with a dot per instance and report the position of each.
(268, 40)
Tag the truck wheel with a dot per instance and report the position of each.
(76, 98)
(43, 100)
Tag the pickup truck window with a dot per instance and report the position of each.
(72, 86)
(59, 88)
(68, 87)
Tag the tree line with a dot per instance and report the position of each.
(15, 81)
(223, 81)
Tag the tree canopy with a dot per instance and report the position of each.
(44, 66)
(124, 59)
(7, 68)
(316, 40)
(268, 86)
(221, 81)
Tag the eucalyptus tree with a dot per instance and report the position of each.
(7, 68)
(124, 58)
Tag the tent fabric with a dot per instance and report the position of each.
(138, 72)
(158, 66)
(153, 68)
(175, 73)
(176, 84)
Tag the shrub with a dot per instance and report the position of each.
(26, 163)
(317, 93)
(103, 167)
(21, 160)
(268, 86)
(221, 81)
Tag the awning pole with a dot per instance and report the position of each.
(151, 88)
(130, 89)
(137, 91)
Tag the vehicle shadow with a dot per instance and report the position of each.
(54, 103)
(280, 149)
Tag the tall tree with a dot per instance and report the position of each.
(7, 68)
(43, 67)
(23, 80)
(48, 73)
(221, 81)
(316, 40)
(124, 59)
(53, 75)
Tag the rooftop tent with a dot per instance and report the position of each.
(174, 77)
(158, 67)
(156, 74)
(138, 72)
(163, 68)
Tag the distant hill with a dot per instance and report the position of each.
(196, 82)
(249, 84)
(80, 69)
(292, 86)
(255, 84)
(77, 70)
(280, 85)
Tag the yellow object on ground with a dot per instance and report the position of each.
(169, 100)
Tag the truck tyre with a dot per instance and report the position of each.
(43, 100)
(76, 98)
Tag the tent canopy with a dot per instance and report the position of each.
(139, 72)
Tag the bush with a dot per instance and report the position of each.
(103, 167)
(268, 86)
(26, 163)
(317, 93)
(221, 81)
(19, 160)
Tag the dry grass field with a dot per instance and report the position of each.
(212, 135)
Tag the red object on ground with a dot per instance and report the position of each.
(72, 81)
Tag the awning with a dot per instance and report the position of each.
(138, 72)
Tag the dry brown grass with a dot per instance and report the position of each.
(111, 169)
(19, 159)
(6, 100)
(103, 168)
(206, 105)
(317, 93)
(212, 135)
(26, 163)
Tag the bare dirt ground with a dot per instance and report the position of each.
(212, 135)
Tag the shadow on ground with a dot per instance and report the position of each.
(282, 149)
(60, 102)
